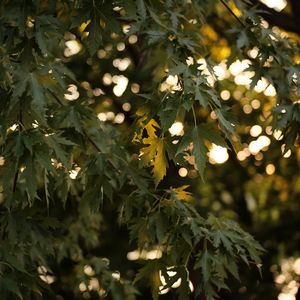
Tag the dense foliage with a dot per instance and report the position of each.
(86, 164)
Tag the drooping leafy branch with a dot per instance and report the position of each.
(50, 220)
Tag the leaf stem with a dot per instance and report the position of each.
(21, 126)
(194, 116)
(15, 180)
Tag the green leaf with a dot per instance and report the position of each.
(206, 267)
(227, 125)
(220, 237)
(141, 9)
(167, 116)
(94, 39)
(199, 151)
(11, 285)
(175, 16)
(178, 69)
(38, 95)
(242, 40)
(156, 18)
(201, 97)
(185, 142)
(150, 274)
(231, 266)
(55, 142)
(208, 132)
(30, 178)
(75, 119)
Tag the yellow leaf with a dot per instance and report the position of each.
(151, 128)
(160, 163)
(136, 137)
(143, 110)
(148, 153)
(154, 153)
(83, 26)
(181, 194)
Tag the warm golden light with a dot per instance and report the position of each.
(88, 270)
(296, 266)
(132, 39)
(278, 134)
(101, 53)
(171, 83)
(218, 154)
(244, 78)
(119, 118)
(116, 275)
(121, 84)
(288, 153)
(225, 95)
(270, 91)
(241, 155)
(133, 255)
(255, 104)
(107, 79)
(145, 255)
(270, 169)
(221, 71)
(121, 47)
(205, 71)
(253, 52)
(102, 117)
(283, 296)
(72, 94)
(259, 144)
(176, 129)
(82, 287)
(175, 285)
(126, 106)
(110, 116)
(261, 85)
(239, 66)
(97, 92)
(73, 47)
(247, 109)
(277, 5)
(183, 172)
(135, 88)
(121, 64)
(73, 173)
(255, 130)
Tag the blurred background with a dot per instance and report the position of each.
(259, 185)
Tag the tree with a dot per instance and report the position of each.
(88, 163)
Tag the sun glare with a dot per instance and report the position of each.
(218, 155)
(176, 129)
(275, 4)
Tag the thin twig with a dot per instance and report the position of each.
(194, 116)
(232, 13)
(15, 181)
(91, 141)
